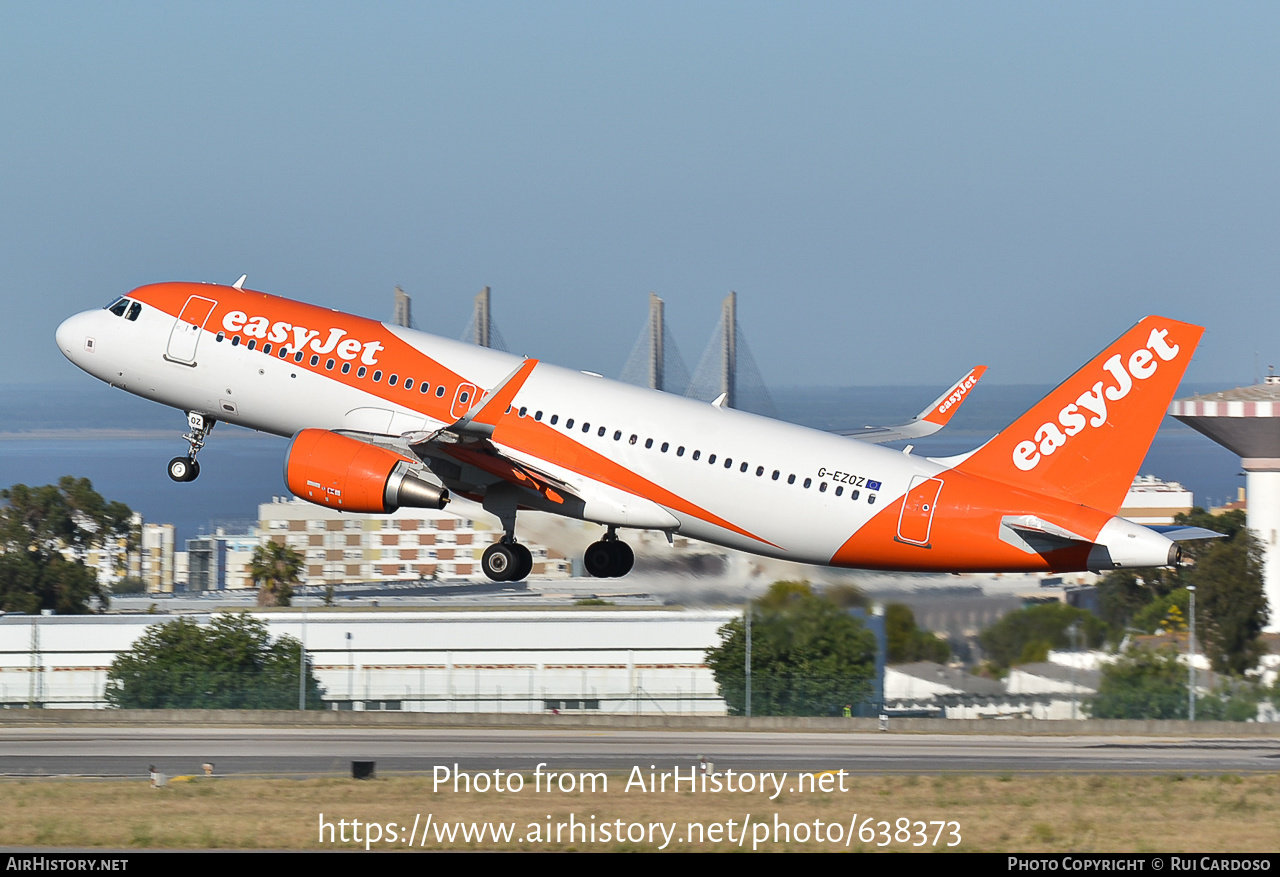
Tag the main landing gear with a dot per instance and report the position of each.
(186, 468)
(610, 558)
(507, 561)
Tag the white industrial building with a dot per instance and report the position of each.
(1155, 502)
(621, 661)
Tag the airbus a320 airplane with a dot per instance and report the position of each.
(382, 417)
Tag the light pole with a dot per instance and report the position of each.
(302, 665)
(748, 667)
(1191, 658)
(351, 668)
(1074, 630)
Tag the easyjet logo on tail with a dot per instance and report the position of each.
(280, 331)
(958, 394)
(1090, 408)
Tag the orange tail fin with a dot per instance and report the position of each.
(1085, 441)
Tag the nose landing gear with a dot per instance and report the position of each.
(186, 468)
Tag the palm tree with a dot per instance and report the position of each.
(275, 569)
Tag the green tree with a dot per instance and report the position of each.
(1156, 614)
(1027, 635)
(46, 533)
(906, 642)
(1125, 593)
(275, 569)
(808, 656)
(1144, 683)
(230, 664)
(129, 585)
(1231, 605)
(1235, 700)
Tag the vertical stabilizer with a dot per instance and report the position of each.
(1085, 441)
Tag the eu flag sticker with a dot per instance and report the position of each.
(873, 485)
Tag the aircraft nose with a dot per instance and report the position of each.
(74, 338)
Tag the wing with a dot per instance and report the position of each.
(933, 418)
(465, 457)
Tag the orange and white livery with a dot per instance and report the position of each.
(382, 417)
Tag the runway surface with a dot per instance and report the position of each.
(129, 752)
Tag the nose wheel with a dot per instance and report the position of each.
(183, 469)
(186, 468)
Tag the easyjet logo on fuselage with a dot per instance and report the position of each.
(280, 332)
(1072, 419)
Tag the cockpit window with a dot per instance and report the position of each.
(124, 307)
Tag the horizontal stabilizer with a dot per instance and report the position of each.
(933, 418)
(1035, 535)
(1180, 533)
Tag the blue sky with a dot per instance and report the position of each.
(896, 191)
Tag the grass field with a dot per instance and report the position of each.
(995, 813)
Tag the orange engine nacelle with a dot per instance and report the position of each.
(349, 475)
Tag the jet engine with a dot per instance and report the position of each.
(339, 472)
